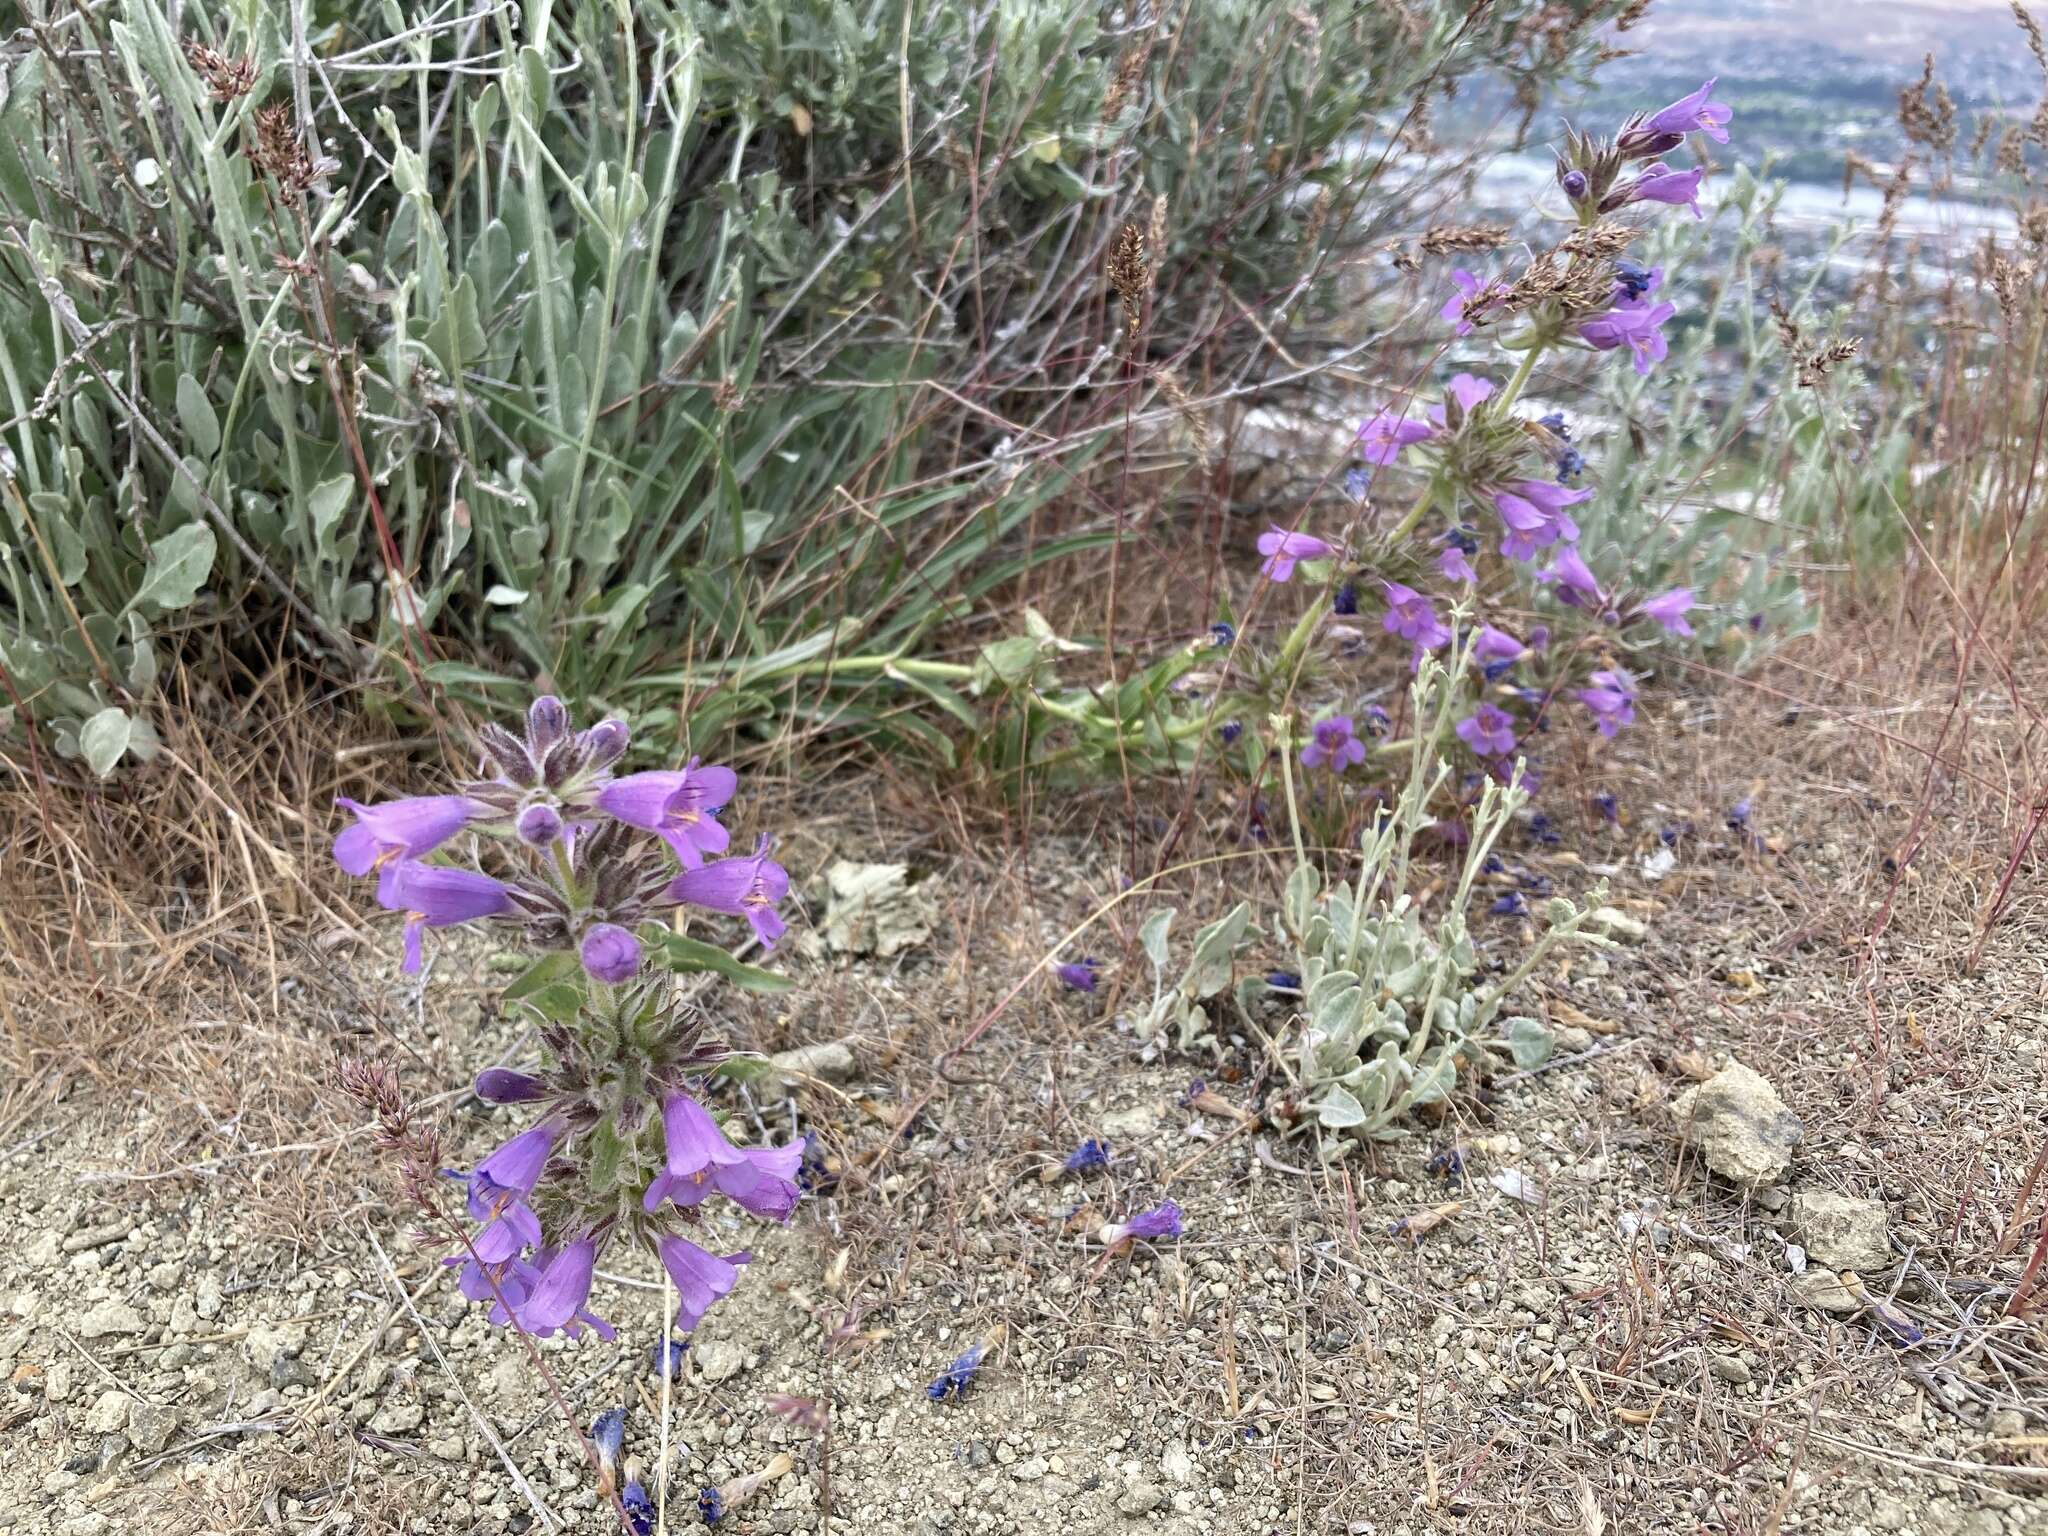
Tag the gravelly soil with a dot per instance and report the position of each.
(1583, 1332)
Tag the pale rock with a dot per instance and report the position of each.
(108, 1413)
(873, 909)
(1740, 1125)
(397, 1418)
(109, 1318)
(1823, 1291)
(1140, 1498)
(828, 1061)
(719, 1360)
(1842, 1231)
(151, 1426)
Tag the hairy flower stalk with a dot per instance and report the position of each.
(579, 865)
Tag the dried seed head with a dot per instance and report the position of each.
(227, 79)
(1130, 275)
(1927, 115)
(280, 154)
(1443, 239)
(1129, 70)
(1818, 365)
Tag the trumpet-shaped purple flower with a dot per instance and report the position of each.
(1469, 288)
(1497, 645)
(1535, 516)
(513, 1278)
(1384, 438)
(1576, 583)
(700, 1277)
(1162, 1220)
(1077, 975)
(431, 896)
(1660, 184)
(610, 953)
(1283, 550)
(1696, 113)
(1467, 391)
(1413, 617)
(608, 1437)
(701, 1162)
(1668, 609)
(1333, 745)
(399, 829)
(1639, 327)
(746, 887)
(1490, 731)
(1452, 565)
(501, 1085)
(498, 1193)
(556, 1302)
(1612, 699)
(681, 807)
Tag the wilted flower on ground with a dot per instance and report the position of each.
(1283, 550)
(1669, 609)
(1384, 438)
(1612, 699)
(1333, 745)
(1636, 326)
(1090, 1154)
(608, 1435)
(956, 1378)
(638, 1506)
(666, 1356)
(1489, 731)
(1162, 1220)
(1283, 981)
(1077, 974)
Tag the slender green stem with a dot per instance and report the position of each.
(1407, 525)
(1287, 782)
(1509, 395)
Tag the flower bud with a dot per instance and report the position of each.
(610, 953)
(1574, 184)
(501, 1085)
(606, 742)
(539, 825)
(547, 722)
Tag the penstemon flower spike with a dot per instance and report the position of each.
(578, 864)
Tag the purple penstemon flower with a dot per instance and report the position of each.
(1333, 745)
(1077, 975)
(1612, 699)
(700, 1161)
(1467, 392)
(1576, 583)
(1497, 645)
(1535, 516)
(740, 887)
(1284, 550)
(1658, 183)
(432, 896)
(1162, 1220)
(499, 1190)
(1669, 609)
(954, 1381)
(1574, 184)
(556, 1302)
(1452, 565)
(1636, 326)
(1469, 288)
(1413, 617)
(680, 807)
(501, 1085)
(399, 829)
(610, 953)
(1384, 438)
(1090, 1154)
(700, 1277)
(1696, 113)
(1489, 731)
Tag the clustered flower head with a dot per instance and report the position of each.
(621, 1146)
(573, 857)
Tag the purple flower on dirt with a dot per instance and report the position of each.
(1077, 975)
(1696, 113)
(1489, 731)
(1283, 550)
(1162, 1220)
(1413, 617)
(1469, 288)
(1738, 815)
(1534, 514)
(1283, 981)
(710, 1505)
(1453, 566)
(1333, 745)
(954, 1381)
(1509, 905)
(399, 829)
(1668, 609)
(610, 953)
(1636, 326)
(431, 896)
(1576, 583)
(680, 806)
(700, 1277)
(1384, 438)
(1608, 807)
(1612, 699)
(741, 887)
(1660, 184)
(700, 1162)
(1090, 1154)
(640, 1511)
(608, 1436)
(556, 1301)
(501, 1085)
(666, 1356)
(1377, 721)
